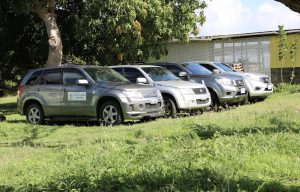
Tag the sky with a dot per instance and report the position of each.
(225, 17)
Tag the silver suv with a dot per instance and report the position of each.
(259, 85)
(179, 96)
(224, 88)
(90, 93)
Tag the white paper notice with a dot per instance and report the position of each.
(77, 96)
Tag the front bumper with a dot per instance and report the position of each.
(260, 90)
(188, 102)
(232, 95)
(142, 109)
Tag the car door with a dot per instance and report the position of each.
(50, 92)
(76, 99)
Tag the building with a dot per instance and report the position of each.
(258, 52)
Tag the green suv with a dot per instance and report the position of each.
(85, 93)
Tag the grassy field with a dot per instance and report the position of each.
(251, 148)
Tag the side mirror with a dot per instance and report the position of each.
(141, 80)
(182, 74)
(82, 82)
(216, 71)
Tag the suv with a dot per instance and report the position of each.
(224, 88)
(259, 85)
(74, 92)
(179, 96)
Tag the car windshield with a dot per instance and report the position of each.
(196, 69)
(101, 74)
(159, 74)
(224, 67)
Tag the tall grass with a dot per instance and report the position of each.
(252, 148)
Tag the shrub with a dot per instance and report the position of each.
(287, 88)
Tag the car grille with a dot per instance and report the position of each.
(153, 106)
(199, 101)
(266, 79)
(200, 91)
(149, 94)
(239, 83)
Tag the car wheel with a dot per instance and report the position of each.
(214, 100)
(170, 107)
(35, 114)
(110, 113)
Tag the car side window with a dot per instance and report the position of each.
(132, 74)
(209, 67)
(51, 77)
(34, 78)
(119, 70)
(71, 75)
(174, 69)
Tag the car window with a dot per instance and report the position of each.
(101, 74)
(71, 75)
(119, 70)
(51, 77)
(159, 74)
(208, 66)
(132, 74)
(34, 78)
(196, 69)
(174, 69)
(224, 67)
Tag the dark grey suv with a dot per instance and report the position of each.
(73, 92)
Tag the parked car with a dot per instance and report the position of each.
(224, 88)
(74, 92)
(259, 85)
(179, 96)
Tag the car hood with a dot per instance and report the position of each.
(124, 86)
(178, 84)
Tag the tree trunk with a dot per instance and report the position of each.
(55, 44)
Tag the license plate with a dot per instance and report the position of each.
(243, 90)
(153, 101)
(269, 87)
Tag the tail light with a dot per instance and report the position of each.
(20, 90)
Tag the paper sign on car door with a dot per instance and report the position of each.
(77, 96)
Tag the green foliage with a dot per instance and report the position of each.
(287, 88)
(252, 148)
(282, 48)
(133, 30)
(293, 51)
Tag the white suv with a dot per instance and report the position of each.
(179, 96)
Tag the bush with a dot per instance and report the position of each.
(287, 88)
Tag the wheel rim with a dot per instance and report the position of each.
(110, 114)
(34, 115)
(168, 108)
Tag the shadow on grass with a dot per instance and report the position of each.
(186, 180)
(8, 108)
(34, 134)
(276, 125)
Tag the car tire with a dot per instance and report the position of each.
(170, 107)
(214, 100)
(35, 114)
(110, 113)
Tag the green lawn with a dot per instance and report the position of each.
(251, 148)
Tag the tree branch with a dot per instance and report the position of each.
(292, 4)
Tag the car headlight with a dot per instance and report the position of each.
(187, 91)
(133, 95)
(226, 82)
(255, 78)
